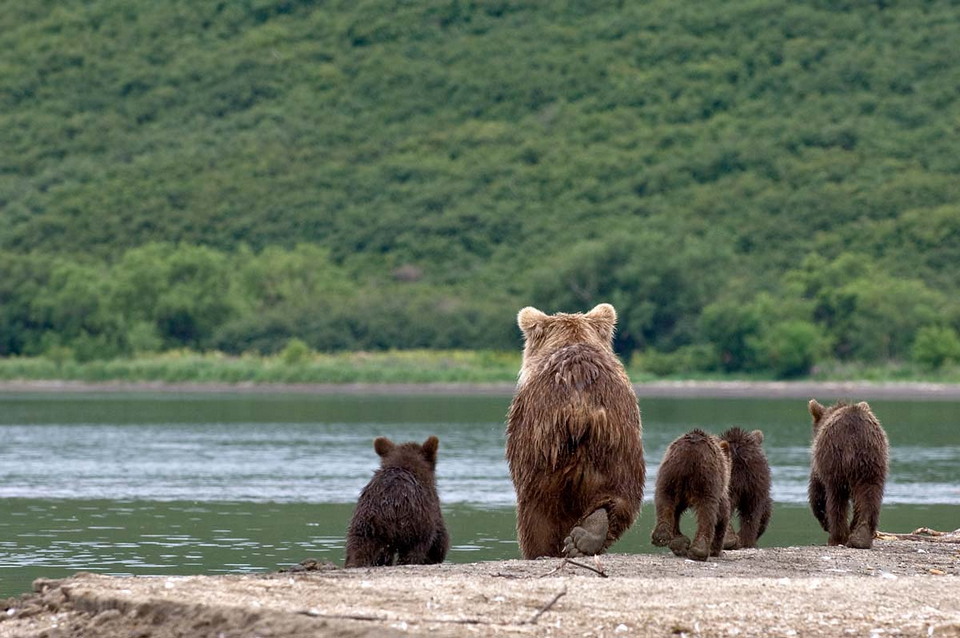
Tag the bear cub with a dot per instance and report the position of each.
(574, 440)
(695, 472)
(849, 460)
(749, 487)
(397, 519)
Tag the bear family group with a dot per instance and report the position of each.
(575, 451)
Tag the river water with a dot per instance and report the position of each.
(217, 483)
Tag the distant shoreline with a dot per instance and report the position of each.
(822, 390)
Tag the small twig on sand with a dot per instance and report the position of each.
(597, 570)
(536, 616)
(555, 569)
(314, 613)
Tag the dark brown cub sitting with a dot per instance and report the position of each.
(398, 518)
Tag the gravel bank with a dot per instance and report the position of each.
(900, 588)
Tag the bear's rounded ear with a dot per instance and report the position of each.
(863, 405)
(757, 436)
(725, 447)
(430, 448)
(604, 312)
(603, 318)
(528, 318)
(383, 445)
(816, 410)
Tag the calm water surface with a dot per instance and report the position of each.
(173, 484)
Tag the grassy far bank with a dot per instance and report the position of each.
(290, 366)
(298, 364)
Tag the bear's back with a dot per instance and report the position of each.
(580, 393)
(850, 442)
(749, 468)
(394, 504)
(694, 463)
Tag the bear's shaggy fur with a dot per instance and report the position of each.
(573, 436)
(398, 518)
(749, 487)
(849, 460)
(694, 472)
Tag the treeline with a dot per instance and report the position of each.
(162, 297)
(757, 186)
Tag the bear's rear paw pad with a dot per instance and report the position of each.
(731, 540)
(588, 538)
(699, 550)
(861, 538)
(580, 542)
(662, 534)
(680, 545)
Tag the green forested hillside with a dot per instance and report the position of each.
(756, 185)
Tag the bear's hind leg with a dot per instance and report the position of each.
(752, 524)
(415, 554)
(537, 534)
(438, 550)
(817, 494)
(367, 552)
(669, 511)
(837, 510)
(866, 515)
(731, 539)
(707, 515)
(720, 528)
(766, 513)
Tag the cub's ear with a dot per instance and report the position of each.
(383, 446)
(757, 436)
(863, 405)
(603, 312)
(816, 410)
(430, 448)
(725, 447)
(528, 318)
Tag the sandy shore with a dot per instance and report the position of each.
(900, 588)
(823, 390)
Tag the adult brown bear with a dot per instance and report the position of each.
(849, 460)
(573, 436)
(398, 518)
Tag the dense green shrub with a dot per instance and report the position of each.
(935, 346)
(789, 349)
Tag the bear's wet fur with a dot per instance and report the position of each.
(694, 472)
(848, 462)
(398, 519)
(574, 438)
(749, 487)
